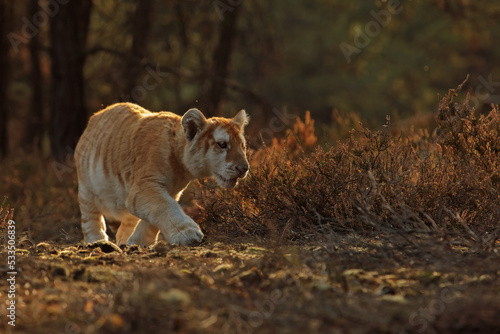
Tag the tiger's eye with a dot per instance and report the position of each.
(222, 144)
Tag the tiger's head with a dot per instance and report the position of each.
(216, 147)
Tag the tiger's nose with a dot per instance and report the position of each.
(242, 169)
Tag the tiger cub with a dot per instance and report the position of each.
(133, 166)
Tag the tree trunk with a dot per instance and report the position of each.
(34, 125)
(221, 60)
(68, 35)
(5, 17)
(141, 23)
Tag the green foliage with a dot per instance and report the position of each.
(424, 49)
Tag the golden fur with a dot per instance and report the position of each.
(133, 165)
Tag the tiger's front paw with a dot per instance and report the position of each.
(186, 236)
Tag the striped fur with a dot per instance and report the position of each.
(133, 165)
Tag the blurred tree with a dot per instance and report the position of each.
(141, 28)
(5, 17)
(68, 36)
(257, 55)
(220, 62)
(34, 123)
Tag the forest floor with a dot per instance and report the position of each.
(349, 285)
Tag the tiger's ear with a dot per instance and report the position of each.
(192, 122)
(241, 119)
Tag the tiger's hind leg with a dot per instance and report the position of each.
(126, 229)
(93, 225)
(144, 234)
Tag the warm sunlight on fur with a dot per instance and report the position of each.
(133, 165)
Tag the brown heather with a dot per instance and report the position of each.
(388, 183)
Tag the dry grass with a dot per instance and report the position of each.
(43, 194)
(6, 214)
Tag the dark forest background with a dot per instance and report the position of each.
(62, 60)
